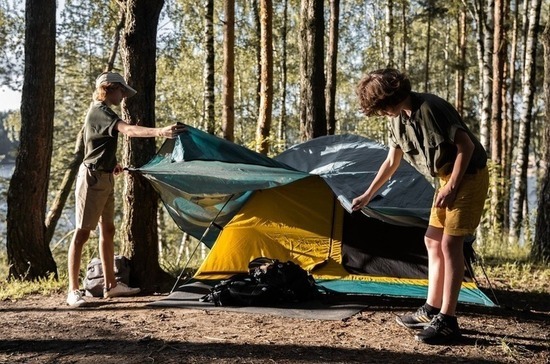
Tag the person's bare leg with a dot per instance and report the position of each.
(107, 252)
(80, 237)
(436, 266)
(453, 255)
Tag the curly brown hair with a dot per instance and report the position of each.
(382, 88)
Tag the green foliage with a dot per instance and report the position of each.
(17, 289)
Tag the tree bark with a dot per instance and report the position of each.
(483, 13)
(540, 251)
(29, 254)
(281, 130)
(266, 90)
(499, 52)
(140, 199)
(461, 57)
(208, 112)
(312, 77)
(228, 109)
(524, 133)
(389, 36)
(332, 62)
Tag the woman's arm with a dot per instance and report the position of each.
(136, 131)
(386, 170)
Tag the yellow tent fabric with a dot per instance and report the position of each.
(301, 221)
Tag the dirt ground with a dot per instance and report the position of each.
(41, 329)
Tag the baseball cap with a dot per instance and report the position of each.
(114, 77)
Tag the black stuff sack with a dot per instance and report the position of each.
(268, 283)
(94, 281)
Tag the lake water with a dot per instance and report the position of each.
(6, 170)
(64, 225)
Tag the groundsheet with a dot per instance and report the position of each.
(326, 308)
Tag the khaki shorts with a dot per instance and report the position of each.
(463, 217)
(94, 198)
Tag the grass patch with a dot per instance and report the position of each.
(16, 289)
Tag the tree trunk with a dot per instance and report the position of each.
(332, 56)
(140, 199)
(66, 187)
(461, 62)
(524, 133)
(228, 109)
(312, 77)
(540, 251)
(427, 57)
(281, 130)
(208, 112)
(258, 49)
(405, 42)
(266, 90)
(499, 52)
(389, 34)
(510, 135)
(484, 18)
(29, 254)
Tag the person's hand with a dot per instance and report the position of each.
(359, 202)
(445, 197)
(118, 170)
(172, 131)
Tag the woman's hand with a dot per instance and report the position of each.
(172, 131)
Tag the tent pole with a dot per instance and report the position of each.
(212, 223)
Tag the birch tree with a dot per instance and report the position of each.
(499, 52)
(524, 133)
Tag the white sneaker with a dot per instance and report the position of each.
(120, 290)
(75, 299)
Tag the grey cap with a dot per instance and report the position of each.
(113, 77)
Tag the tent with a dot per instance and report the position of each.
(296, 207)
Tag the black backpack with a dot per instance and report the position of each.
(269, 282)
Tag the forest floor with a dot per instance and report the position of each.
(42, 329)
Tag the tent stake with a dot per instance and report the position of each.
(212, 223)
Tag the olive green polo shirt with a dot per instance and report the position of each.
(427, 137)
(100, 137)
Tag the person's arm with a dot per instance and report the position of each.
(386, 170)
(465, 148)
(136, 131)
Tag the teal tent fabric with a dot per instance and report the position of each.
(349, 163)
(203, 179)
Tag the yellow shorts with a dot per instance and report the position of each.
(95, 200)
(463, 217)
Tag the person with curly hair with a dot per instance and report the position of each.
(429, 133)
